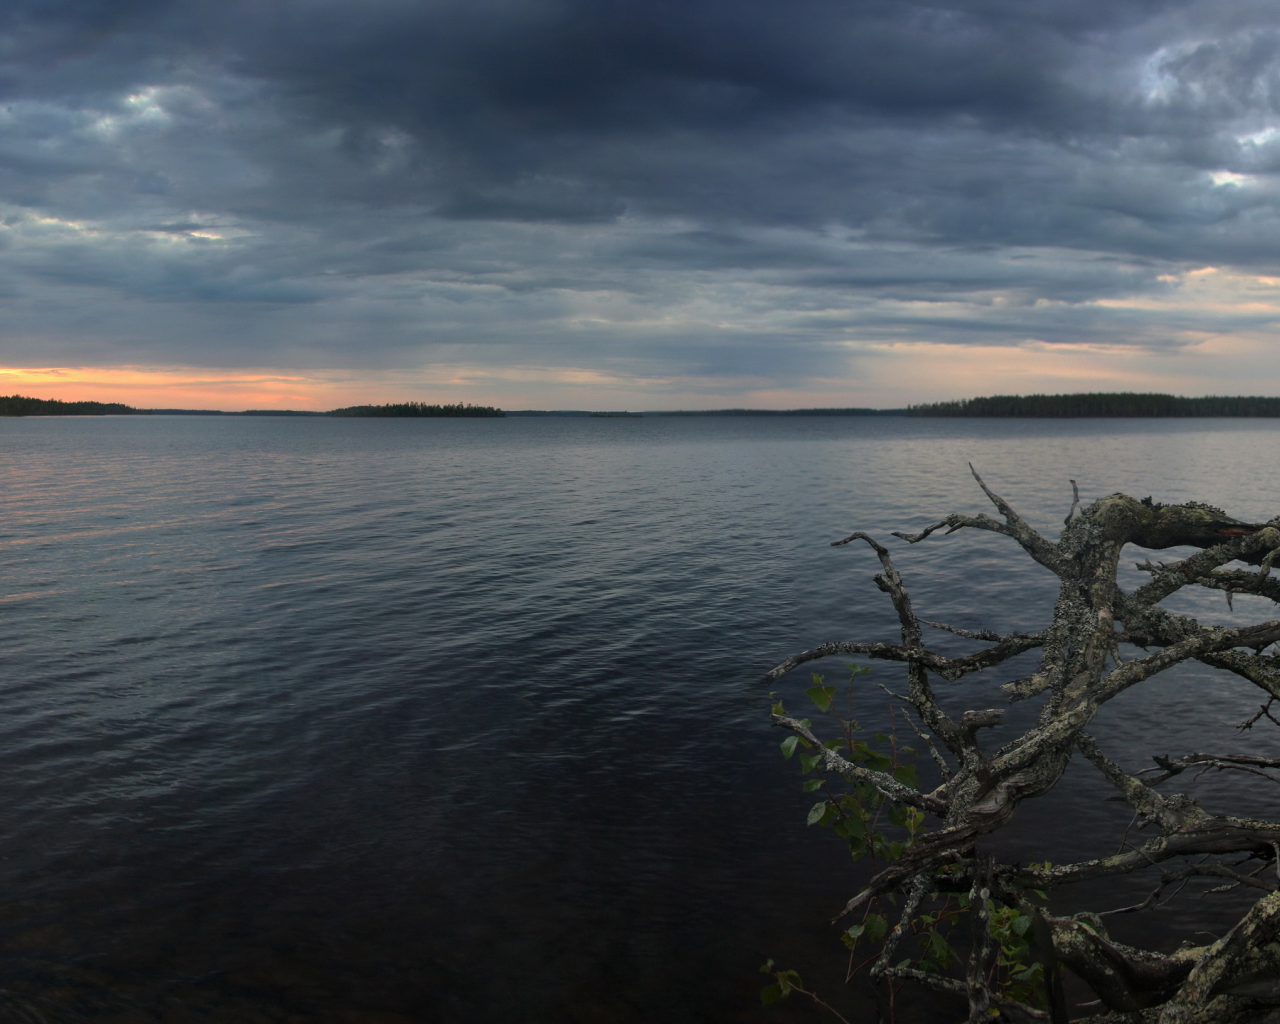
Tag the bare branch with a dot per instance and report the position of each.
(1264, 711)
(980, 955)
(1170, 812)
(1223, 962)
(1037, 547)
(976, 634)
(1239, 762)
(1238, 581)
(938, 759)
(1209, 641)
(954, 522)
(916, 892)
(891, 584)
(880, 651)
(1261, 670)
(972, 721)
(1194, 871)
(1014, 526)
(1126, 978)
(1166, 579)
(1011, 1009)
(882, 781)
(948, 668)
(1075, 500)
(1220, 835)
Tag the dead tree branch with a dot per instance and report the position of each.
(1079, 671)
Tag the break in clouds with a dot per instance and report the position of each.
(750, 191)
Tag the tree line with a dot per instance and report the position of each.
(417, 409)
(19, 405)
(1101, 404)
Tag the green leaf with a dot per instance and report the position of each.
(816, 812)
(789, 746)
(778, 709)
(811, 785)
(770, 994)
(821, 696)
(856, 931)
(808, 762)
(1021, 925)
(907, 773)
(834, 744)
(877, 927)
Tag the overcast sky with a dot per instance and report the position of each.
(637, 203)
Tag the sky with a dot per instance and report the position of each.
(636, 204)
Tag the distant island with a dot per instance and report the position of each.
(417, 409)
(18, 405)
(1100, 404)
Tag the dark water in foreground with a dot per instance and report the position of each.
(380, 721)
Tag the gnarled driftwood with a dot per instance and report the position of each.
(1236, 978)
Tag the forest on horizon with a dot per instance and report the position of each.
(1126, 404)
(1093, 404)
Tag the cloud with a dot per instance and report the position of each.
(746, 193)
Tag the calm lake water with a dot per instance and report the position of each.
(385, 721)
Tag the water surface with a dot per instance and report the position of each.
(456, 720)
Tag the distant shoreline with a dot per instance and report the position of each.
(20, 405)
(1099, 405)
(1102, 405)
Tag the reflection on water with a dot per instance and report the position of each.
(388, 721)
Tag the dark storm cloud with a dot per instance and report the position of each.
(703, 186)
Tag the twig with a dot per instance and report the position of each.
(975, 634)
(916, 892)
(938, 759)
(1263, 711)
(1218, 762)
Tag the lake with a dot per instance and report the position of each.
(380, 721)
